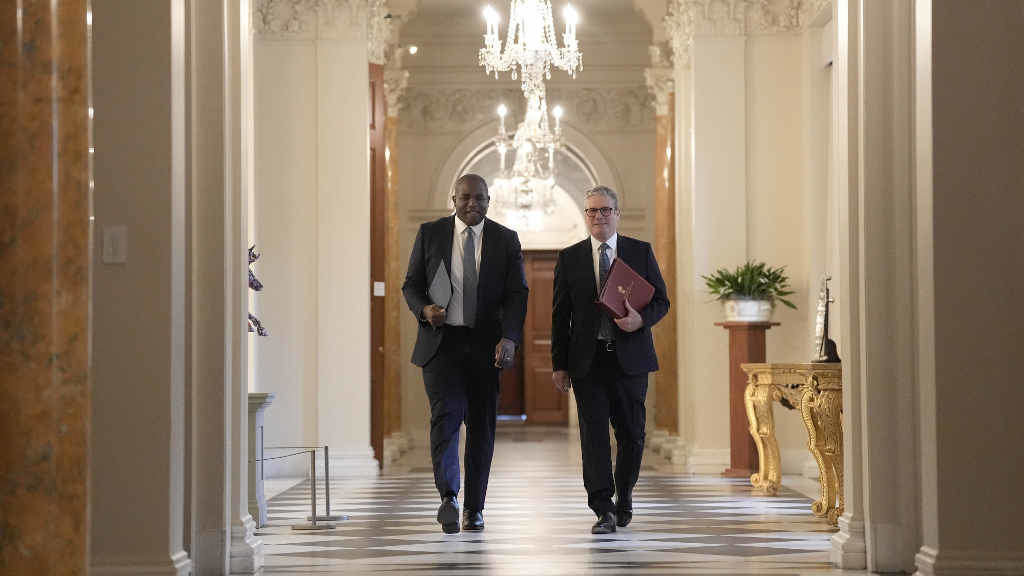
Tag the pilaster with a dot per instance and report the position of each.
(849, 547)
(140, 321)
(660, 82)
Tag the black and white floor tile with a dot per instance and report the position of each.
(537, 523)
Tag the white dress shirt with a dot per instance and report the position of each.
(595, 246)
(454, 314)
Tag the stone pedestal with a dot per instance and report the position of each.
(258, 402)
(746, 346)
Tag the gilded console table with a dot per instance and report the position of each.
(816, 390)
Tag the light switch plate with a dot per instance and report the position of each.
(115, 244)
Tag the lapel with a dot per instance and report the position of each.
(587, 255)
(446, 252)
(624, 250)
(490, 238)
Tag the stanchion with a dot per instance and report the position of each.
(327, 516)
(314, 522)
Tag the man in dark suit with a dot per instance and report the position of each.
(462, 344)
(605, 360)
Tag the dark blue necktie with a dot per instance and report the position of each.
(604, 329)
(469, 279)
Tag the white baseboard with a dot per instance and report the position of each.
(178, 564)
(707, 460)
(274, 486)
(357, 465)
(809, 488)
(811, 470)
(849, 550)
(798, 461)
(246, 548)
(932, 562)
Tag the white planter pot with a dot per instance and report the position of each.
(740, 310)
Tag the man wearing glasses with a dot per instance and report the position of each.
(605, 360)
(463, 342)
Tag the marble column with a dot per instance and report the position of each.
(137, 468)
(210, 350)
(849, 547)
(395, 443)
(887, 293)
(44, 344)
(245, 550)
(665, 438)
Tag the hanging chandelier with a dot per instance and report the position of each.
(530, 46)
(533, 144)
(526, 183)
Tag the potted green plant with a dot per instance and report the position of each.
(749, 292)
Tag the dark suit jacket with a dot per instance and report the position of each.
(501, 285)
(575, 315)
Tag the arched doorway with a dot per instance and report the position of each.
(526, 391)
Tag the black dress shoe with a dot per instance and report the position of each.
(605, 524)
(448, 515)
(623, 512)
(472, 521)
(623, 517)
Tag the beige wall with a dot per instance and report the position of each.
(311, 122)
(777, 209)
(746, 158)
(285, 233)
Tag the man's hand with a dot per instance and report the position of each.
(434, 314)
(560, 378)
(504, 353)
(631, 322)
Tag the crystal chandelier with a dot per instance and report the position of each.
(527, 184)
(530, 44)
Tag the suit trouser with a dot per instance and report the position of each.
(462, 385)
(607, 394)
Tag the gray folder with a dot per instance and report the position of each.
(440, 287)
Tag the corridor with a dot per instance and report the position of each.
(538, 522)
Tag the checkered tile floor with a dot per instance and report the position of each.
(538, 523)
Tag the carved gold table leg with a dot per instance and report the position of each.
(821, 411)
(758, 401)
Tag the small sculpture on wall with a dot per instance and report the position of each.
(254, 323)
(824, 347)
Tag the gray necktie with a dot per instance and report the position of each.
(469, 279)
(604, 329)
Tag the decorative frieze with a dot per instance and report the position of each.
(395, 82)
(659, 79)
(380, 31)
(312, 19)
(689, 18)
(442, 109)
(305, 18)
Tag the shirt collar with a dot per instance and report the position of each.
(595, 244)
(461, 226)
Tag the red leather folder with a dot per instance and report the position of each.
(623, 282)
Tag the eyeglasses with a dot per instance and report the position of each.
(605, 211)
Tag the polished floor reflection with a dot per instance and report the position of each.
(538, 523)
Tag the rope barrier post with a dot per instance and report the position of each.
(313, 525)
(327, 516)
